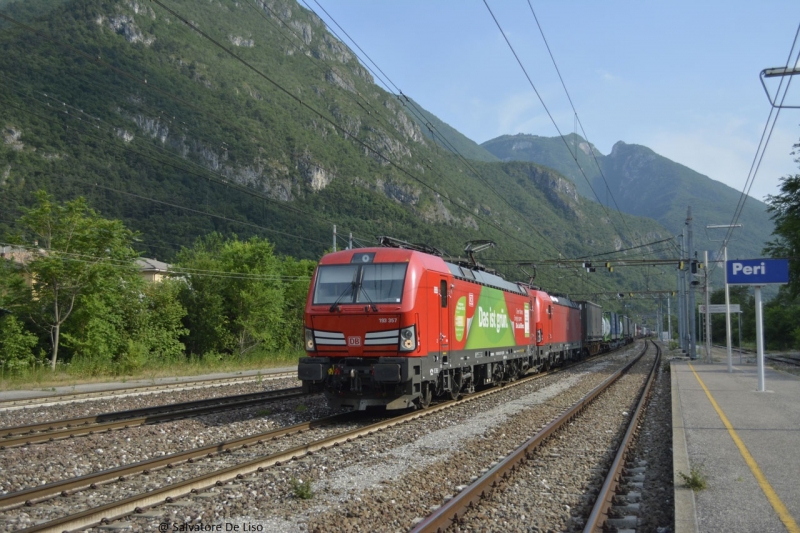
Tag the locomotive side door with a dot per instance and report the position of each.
(444, 318)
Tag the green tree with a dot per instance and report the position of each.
(297, 279)
(781, 330)
(739, 294)
(16, 345)
(233, 295)
(76, 250)
(785, 210)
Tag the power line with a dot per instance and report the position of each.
(761, 149)
(167, 163)
(422, 118)
(530, 81)
(98, 60)
(174, 269)
(338, 127)
(577, 118)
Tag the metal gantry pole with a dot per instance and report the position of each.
(669, 319)
(708, 312)
(681, 305)
(692, 307)
(334, 237)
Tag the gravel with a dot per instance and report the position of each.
(383, 482)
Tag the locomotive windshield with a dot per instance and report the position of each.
(371, 283)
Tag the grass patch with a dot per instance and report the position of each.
(263, 412)
(65, 375)
(694, 480)
(301, 489)
(301, 408)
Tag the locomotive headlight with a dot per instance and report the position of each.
(408, 341)
(310, 347)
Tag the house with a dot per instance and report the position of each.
(152, 270)
(19, 256)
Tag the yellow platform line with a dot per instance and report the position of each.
(769, 492)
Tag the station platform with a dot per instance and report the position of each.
(745, 444)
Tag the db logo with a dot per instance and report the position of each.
(354, 341)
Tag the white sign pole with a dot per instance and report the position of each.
(760, 339)
(728, 312)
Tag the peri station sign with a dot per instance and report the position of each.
(757, 271)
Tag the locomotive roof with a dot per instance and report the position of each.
(431, 262)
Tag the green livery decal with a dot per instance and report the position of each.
(460, 321)
(490, 326)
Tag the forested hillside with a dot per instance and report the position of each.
(248, 117)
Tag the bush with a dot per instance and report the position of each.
(16, 345)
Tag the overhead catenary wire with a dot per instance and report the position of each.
(139, 80)
(389, 84)
(763, 143)
(577, 119)
(541, 100)
(337, 126)
(174, 269)
(143, 82)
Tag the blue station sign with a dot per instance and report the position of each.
(757, 271)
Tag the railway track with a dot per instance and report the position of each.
(607, 515)
(261, 453)
(47, 400)
(470, 498)
(88, 425)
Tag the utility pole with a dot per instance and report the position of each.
(681, 307)
(708, 313)
(669, 320)
(692, 315)
(334, 237)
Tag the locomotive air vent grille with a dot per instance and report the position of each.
(382, 338)
(329, 338)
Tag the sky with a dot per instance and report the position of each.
(680, 77)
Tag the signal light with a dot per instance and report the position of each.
(680, 265)
(694, 267)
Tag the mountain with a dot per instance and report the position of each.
(248, 117)
(446, 136)
(644, 183)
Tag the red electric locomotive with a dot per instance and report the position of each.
(396, 326)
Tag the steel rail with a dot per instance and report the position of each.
(67, 486)
(124, 423)
(599, 514)
(456, 508)
(221, 402)
(40, 401)
(137, 503)
(63, 487)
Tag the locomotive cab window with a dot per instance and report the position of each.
(353, 283)
(382, 283)
(443, 292)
